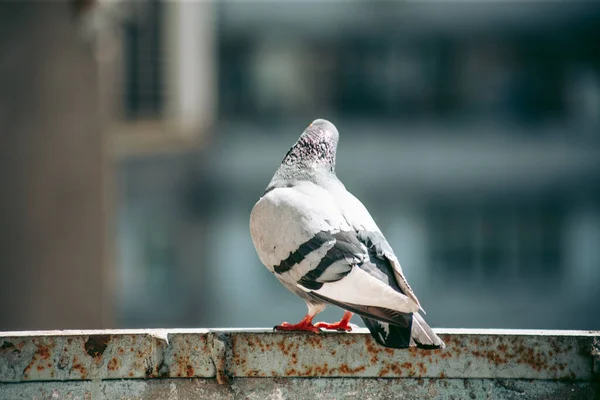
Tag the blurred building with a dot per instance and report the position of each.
(470, 131)
(55, 177)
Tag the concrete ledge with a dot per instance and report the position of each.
(483, 354)
(479, 360)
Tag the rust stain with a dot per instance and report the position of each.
(183, 362)
(389, 351)
(28, 368)
(396, 369)
(43, 352)
(314, 341)
(514, 350)
(233, 347)
(189, 370)
(287, 348)
(40, 368)
(405, 369)
(448, 339)
(345, 369)
(121, 350)
(372, 350)
(414, 351)
(281, 346)
(96, 344)
(113, 364)
(384, 371)
(322, 370)
(319, 370)
(82, 370)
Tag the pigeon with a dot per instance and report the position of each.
(323, 245)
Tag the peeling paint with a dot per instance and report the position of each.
(95, 345)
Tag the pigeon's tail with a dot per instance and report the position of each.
(388, 335)
(417, 333)
(423, 335)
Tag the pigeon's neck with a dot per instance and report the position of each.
(288, 176)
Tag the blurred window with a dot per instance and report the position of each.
(513, 241)
(144, 61)
(415, 65)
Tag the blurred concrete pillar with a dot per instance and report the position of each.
(191, 73)
(53, 173)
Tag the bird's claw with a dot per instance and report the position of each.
(301, 327)
(335, 327)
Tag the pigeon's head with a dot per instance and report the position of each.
(316, 147)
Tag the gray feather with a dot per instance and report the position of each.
(337, 262)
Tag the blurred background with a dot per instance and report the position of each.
(136, 136)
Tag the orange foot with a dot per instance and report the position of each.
(304, 325)
(343, 325)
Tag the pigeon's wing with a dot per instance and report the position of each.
(303, 237)
(406, 329)
(414, 331)
(357, 215)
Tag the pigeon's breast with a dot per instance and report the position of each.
(285, 218)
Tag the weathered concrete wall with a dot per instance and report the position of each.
(183, 364)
